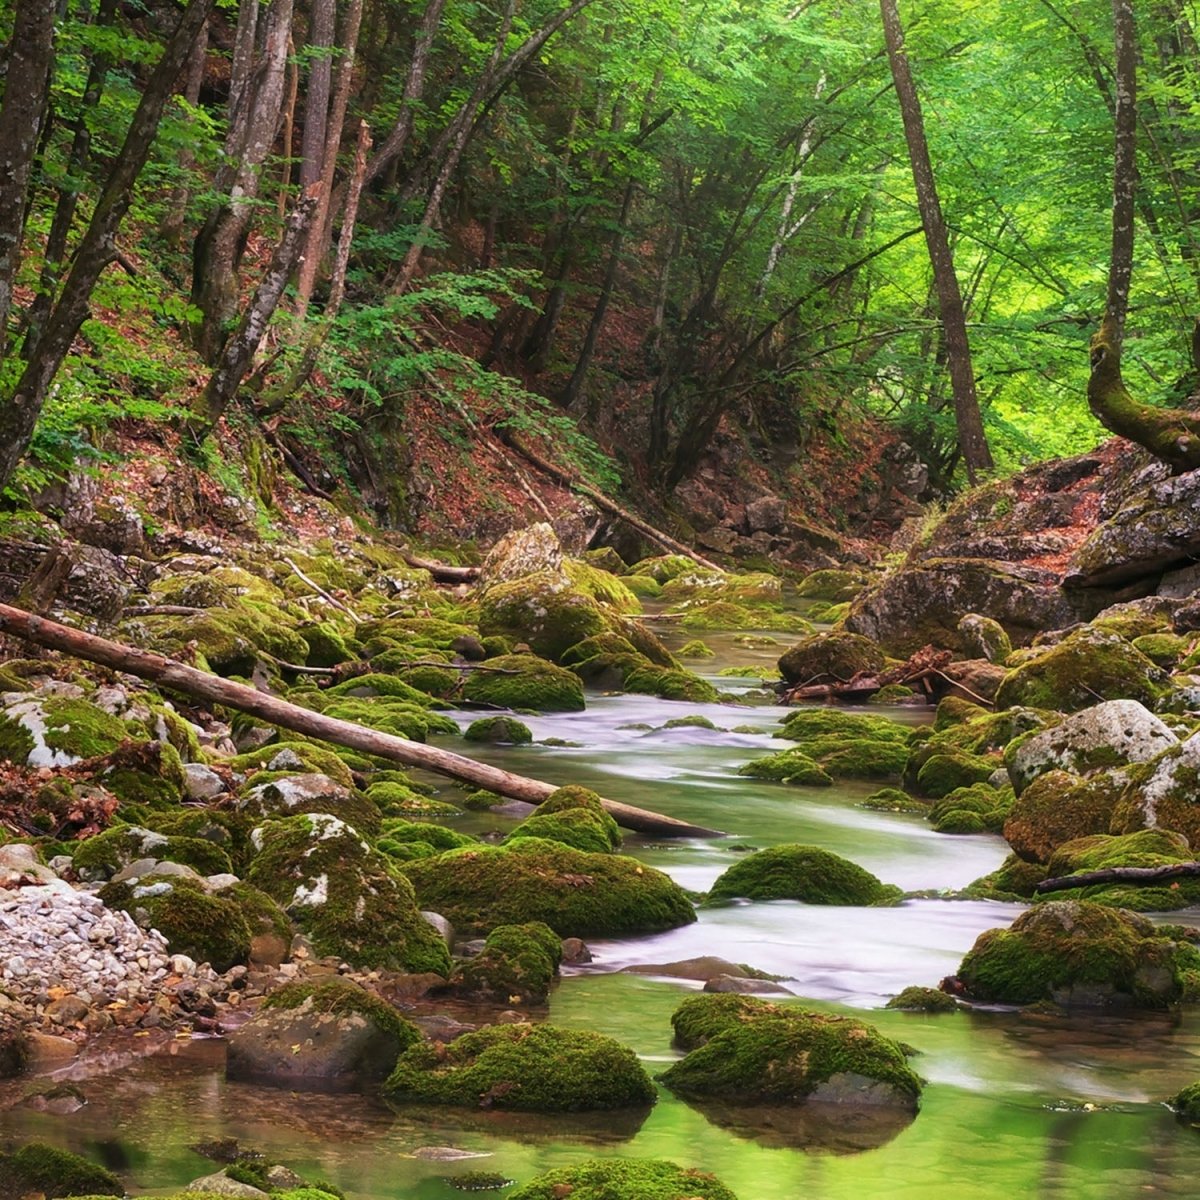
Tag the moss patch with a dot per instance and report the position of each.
(36, 1167)
(624, 1179)
(342, 996)
(517, 965)
(523, 681)
(506, 730)
(922, 999)
(804, 873)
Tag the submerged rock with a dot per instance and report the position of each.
(1083, 955)
(624, 1179)
(517, 965)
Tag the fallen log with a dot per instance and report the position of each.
(211, 688)
(443, 572)
(1139, 876)
(600, 500)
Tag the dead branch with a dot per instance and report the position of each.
(1138, 876)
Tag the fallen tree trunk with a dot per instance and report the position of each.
(1140, 876)
(600, 500)
(203, 686)
(443, 572)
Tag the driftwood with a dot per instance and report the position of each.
(214, 690)
(600, 500)
(163, 610)
(443, 572)
(1139, 876)
(921, 672)
(316, 587)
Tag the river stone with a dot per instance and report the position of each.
(1162, 794)
(520, 553)
(742, 986)
(221, 1185)
(922, 604)
(311, 1051)
(19, 867)
(201, 782)
(1157, 527)
(1111, 734)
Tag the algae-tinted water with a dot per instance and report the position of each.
(1015, 1105)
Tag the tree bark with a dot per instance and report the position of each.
(214, 690)
(316, 94)
(19, 410)
(973, 442)
(26, 93)
(172, 226)
(1140, 876)
(1172, 435)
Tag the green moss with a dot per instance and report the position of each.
(345, 895)
(499, 729)
(643, 586)
(804, 873)
(624, 1179)
(327, 645)
(526, 1068)
(696, 649)
(892, 799)
(437, 836)
(605, 588)
(319, 759)
(208, 928)
(575, 817)
(693, 721)
(379, 684)
(831, 656)
(517, 965)
(576, 894)
(1147, 848)
(80, 729)
(1059, 807)
(670, 684)
(1186, 1103)
(16, 742)
(806, 723)
(1013, 879)
(36, 1167)
(523, 681)
(398, 799)
(788, 766)
(837, 756)
(973, 809)
(941, 774)
(1077, 953)
(544, 610)
(603, 644)
(340, 996)
(923, 999)
(664, 567)
(892, 693)
(749, 1051)
(105, 853)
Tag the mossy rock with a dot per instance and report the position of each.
(804, 873)
(624, 1179)
(807, 723)
(575, 817)
(1185, 1102)
(668, 684)
(327, 645)
(830, 656)
(395, 799)
(37, 1168)
(606, 588)
(208, 927)
(1079, 954)
(941, 774)
(376, 685)
(646, 642)
(1013, 879)
(57, 731)
(545, 610)
(387, 714)
(1059, 807)
(506, 730)
(890, 799)
(983, 637)
(1163, 793)
(894, 693)
(1148, 848)
(1085, 667)
(312, 793)
(226, 830)
(525, 682)
(692, 721)
(104, 854)
(748, 1051)
(517, 965)
(664, 567)
(923, 999)
(1163, 649)
(837, 757)
(344, 895)
(532, 879)
(605, 558)
(830, 584)
(438, 836)
(296, 755)
(643, 586)
(523, 1068)
(696, 649)
(976, 809)
(337, 995)
(788, 766)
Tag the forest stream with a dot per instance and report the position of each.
(1016, 1104)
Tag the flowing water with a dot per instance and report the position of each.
(1016, 1105)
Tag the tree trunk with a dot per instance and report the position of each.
(19, 410)
(316, 94)
(973, 442)
(199, 684)
(1138, 876)
(1172, 435)
(172, 226)
(26, 93)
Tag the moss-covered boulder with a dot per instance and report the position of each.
(979, 808)
(831, 584)
(532, 879)
(806, 723)
(142, 773)
(506, 731)
(804, 873)
(923, 999)
(748, 1051)
(1059, 807)
(834, 756)
(830, 656)
(103, 855)
(399, 798)
(984, 638)
(517, 965)
(1103, 736)
(310, 793)
(57, 731)
(575, 817)
(1083, 955)
(1149, 848)
(1163, 793)
(1086, 666)
(290, 757)
(525, 682)
(670, 684)
(524, 1068)
(788, 766)
(606, 588)
(208, 927)
(1186, 1104)
(345, 895)
(402, 840)
(624, 1179)
(941, 774)
(546, 610)
(38, 1169)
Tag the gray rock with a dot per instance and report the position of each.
(520, 553)
(201, 782)
(1115, 733)
(766, 514)
(221, 1185)
(742, 986)
(441, 925)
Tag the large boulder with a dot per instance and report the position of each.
(1079, 954)
(1163, 794)
(517, 965)
(1111, 734)
(310, 793)
(545, 610)
(524, 681)
(747, 1051)
(830, 656)
(523, 1068)
(923, 603)
(345, 895)
(1149, 848)
(520, 553)
(1086, 666)
(328, 1036)
(532, 879)
(804, 873)
(1059, 807)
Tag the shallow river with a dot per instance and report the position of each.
(1015, 1105)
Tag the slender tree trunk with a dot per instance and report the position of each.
(316, 94)
(26, 94)
(319, 230)
(1172, 435)
(977, 457)
(19, 410)
(172, 226)
(292, 92)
